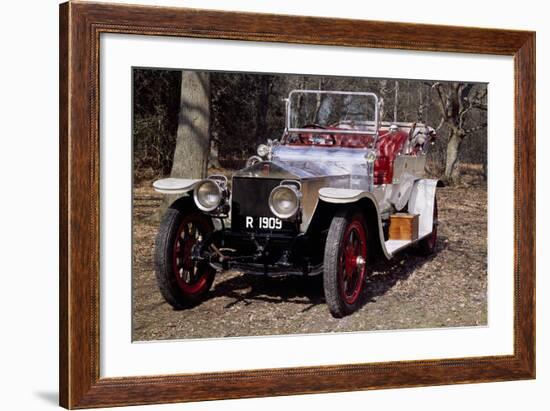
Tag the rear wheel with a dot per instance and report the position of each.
(345, 262)
(182, 281)
(427, 244)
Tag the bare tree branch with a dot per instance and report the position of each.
(479, 106)
(442, 105)
(476, 128)
(481, 94)
(440, 124)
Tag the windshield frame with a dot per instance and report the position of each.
(368, 130)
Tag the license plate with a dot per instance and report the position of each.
(263, 223)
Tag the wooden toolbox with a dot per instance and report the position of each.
(404, 226)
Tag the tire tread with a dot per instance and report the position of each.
(166, 282)
(336, 231)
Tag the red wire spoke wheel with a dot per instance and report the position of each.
(351, 267)
(187, 272)
(183, 281)
(345, 262)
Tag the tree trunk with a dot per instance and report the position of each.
(451, 162)
(395, 101)
(297, 113)
(193, 135)
(382, 108)
(214, 159)
(261, 109)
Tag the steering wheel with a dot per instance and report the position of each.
(316, 126)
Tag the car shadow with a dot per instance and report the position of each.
(384, 275)
(308, 291)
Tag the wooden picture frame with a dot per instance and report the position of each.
(80, 27)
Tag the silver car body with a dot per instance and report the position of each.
(344, 175)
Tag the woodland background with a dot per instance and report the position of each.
(186, 122)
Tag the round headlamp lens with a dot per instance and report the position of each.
(284, 201)
(208, 195)
(263, 150)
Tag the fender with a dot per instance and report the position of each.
(422, 201)
(350, 196)
(344, 195)
(175, 185)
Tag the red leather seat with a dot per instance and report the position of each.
(388, 146)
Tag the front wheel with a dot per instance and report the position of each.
(182, 281)
(345, 262)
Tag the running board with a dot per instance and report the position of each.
(394, 246)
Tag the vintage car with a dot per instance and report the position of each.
(337, 191)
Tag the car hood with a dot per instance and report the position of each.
(298, 163)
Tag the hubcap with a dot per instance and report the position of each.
(189, 275)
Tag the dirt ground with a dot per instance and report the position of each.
(447, 289)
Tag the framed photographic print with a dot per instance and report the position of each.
(256, 205)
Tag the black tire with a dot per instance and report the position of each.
(344, 275)
(428, 244)
(182, 282)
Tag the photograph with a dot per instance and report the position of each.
(269, 204)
